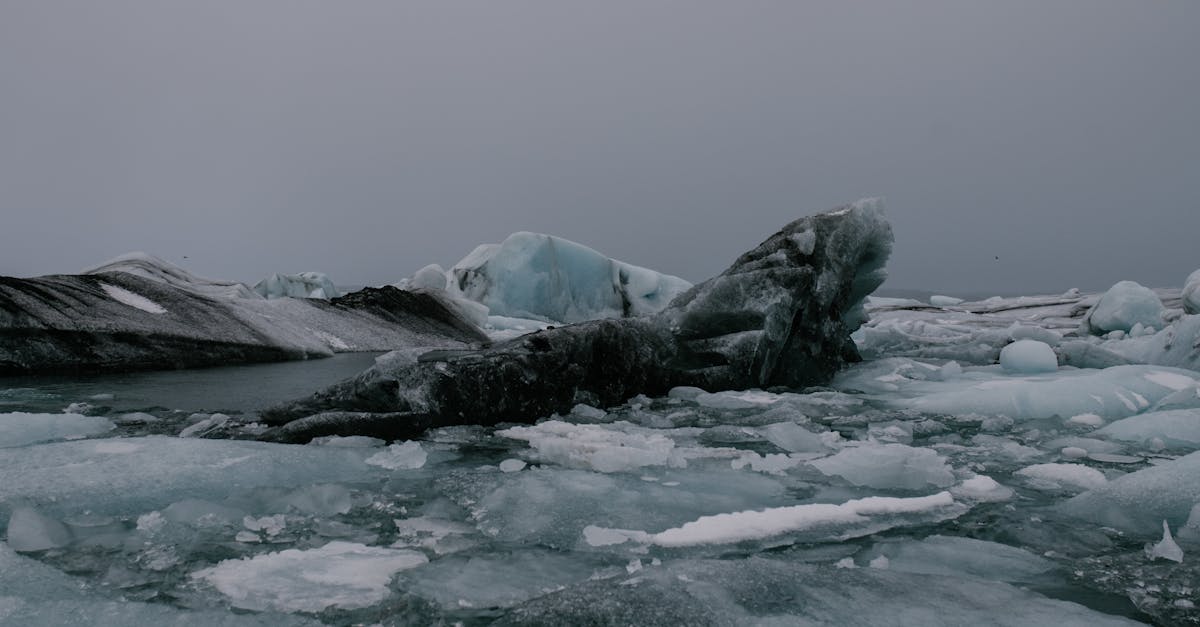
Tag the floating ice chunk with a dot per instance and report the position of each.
(136, 418)
(888, 466)
(541, 276)
(1178, 428)
(325, 499)
(344, 575)
(136, 301)
(29, 530)
(588, 412)
(1124, 305)
(302, 285)
(956, 557)
(686, 393)
(771, 463)
(1028, 357)
(20, 429)
(512, 465)
(981, 489)
(202, 427)
(609, 448)
(881, 562)
(848, 520)
(600, 536)
(747, 399)
(1070, 476)
(938, 300)
(1191, 293)
(793, 438)
(1166, 548)
(1139, 501)
(347, 441)
(432, 534)
(405, 456)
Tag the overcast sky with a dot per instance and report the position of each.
(366, 139)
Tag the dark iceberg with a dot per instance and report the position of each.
(781, 315)
(119, 320)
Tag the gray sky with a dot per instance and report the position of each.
(366, 139)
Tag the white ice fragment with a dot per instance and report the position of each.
(347, 441)
(247, 537)
(601, 536)
(938, 300)
(686, 393)
(405, 456)
(151, 522)
(340, 574)
(634, 565)
(846, 520)
(793, 438)
(846, 562)
(1028, 357)
(1166, 548)
(270, 525)
(29, 530)
(1073, 452)
(880, 562)
(136, 301)
(1071, 476)
(512, 465)
(981, 489)
(615, 447)
(1175, 428)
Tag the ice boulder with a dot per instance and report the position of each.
(1123, 306)
(431, 277)
(1028, 357)
(303, 285)
(1191, 294)
(538, 276)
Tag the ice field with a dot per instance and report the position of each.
(928, 485)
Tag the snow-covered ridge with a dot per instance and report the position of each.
(156, 269)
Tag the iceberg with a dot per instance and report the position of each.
(302, 285)
(1178, 428)
(780, 315)
(531, 275)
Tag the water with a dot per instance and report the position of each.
(240, 389)
(591, 517)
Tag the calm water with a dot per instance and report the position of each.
(232, 389)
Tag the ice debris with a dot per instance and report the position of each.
(1028, 357)
(1166, 548)
(405, 456)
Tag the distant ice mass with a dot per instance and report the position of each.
(303, 285)
(551, 279)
